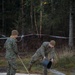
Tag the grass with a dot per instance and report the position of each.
(26, 60)
(36, 68)
(64, 62)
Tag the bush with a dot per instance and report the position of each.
(66, 63)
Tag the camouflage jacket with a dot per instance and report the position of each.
(45, 49)
(11, 48)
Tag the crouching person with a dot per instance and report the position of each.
(46, 47)
(11, 52)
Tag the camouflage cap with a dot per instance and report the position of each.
(14, 32)
(52, 42)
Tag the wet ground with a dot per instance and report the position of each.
(18, 74)
(55, 72)
(52, 71)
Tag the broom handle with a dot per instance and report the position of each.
(23, 64)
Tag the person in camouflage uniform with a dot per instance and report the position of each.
(11, 52)
(46, 47)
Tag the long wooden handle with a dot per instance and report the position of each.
(23, 64)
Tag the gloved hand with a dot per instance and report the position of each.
(44, 57)
(52, 60)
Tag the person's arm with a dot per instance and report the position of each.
(15, 48)
(43, 50)
(52, 55)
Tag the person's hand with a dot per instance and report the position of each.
(22, 36)
(52, 60)
(44, 57)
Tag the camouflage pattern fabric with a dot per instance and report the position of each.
(12, 66)
(44, 50)
(11, 55)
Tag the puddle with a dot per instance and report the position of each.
(55, 72)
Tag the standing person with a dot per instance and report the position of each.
(11, 52)
(46, 47)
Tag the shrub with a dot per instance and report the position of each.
(66, 61)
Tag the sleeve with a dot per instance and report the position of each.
(52, 54)
(43, 50)
(15, 48)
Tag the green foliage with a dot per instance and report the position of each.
(55, 16)
(2, 63)
(66, 63)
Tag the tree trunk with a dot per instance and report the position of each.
(3, 27)
(22, 23)
(31, 14)
(35, 21)
(52, 7)
(70, 27)
(41, 17)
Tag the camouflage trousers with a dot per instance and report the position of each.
(34, 58)
(12, 66)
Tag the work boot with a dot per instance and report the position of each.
(29, 68)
